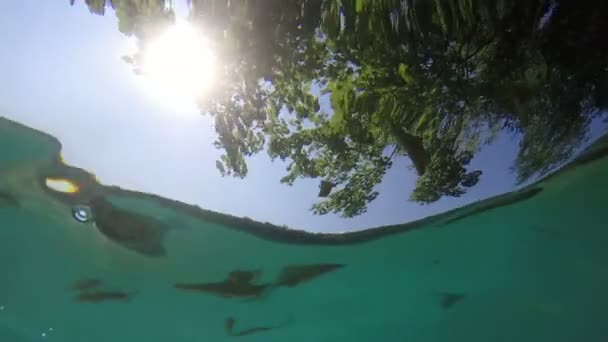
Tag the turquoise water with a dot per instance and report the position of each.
(527, 266)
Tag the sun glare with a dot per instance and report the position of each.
(62, 185)
(179, 65)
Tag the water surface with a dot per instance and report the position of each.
(529, 265)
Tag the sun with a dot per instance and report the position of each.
(179, 64)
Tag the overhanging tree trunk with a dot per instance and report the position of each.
(414, 147)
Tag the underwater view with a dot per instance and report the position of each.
(306, 170)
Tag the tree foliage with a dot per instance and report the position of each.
(141, 18)
(431, 81)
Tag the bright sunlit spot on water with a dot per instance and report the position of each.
(178, 66)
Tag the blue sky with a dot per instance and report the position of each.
(62, 73)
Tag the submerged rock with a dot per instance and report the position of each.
(86, 284)
(134, 231)
(230, 330)
(102, 296)
(449, 299)
(237, 284)
(8, 200)
(294, 275)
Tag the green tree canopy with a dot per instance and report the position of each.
(431, 81)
